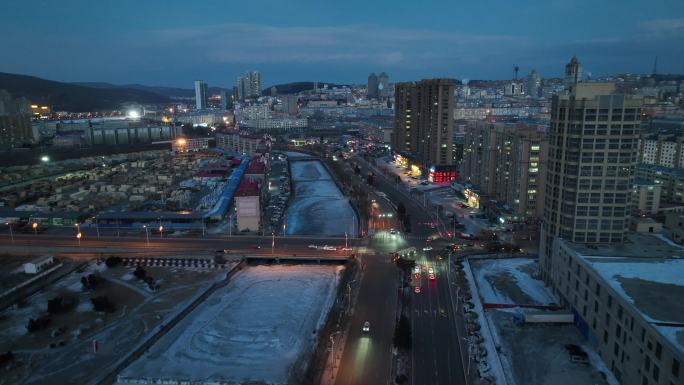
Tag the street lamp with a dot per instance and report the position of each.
(272, 242)
(147, 235)
(79, 235)
(35, 228)
(11, 233)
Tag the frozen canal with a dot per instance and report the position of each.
(257, 329)
(318, 206)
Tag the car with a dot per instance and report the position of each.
(329, 248)
(347, 249)
(313, 247)
(416, 289)
(366, 327)
(393, 231)
(431, 276)
(442, 312)
(226, 251)
(431, 270)
(427, 248)
(257, 247)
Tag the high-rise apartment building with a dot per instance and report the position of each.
(573, 73)
(621, 287)
(201, 96)
(372, 87)
(533, 84)
(383, 86)
(662, 150)
(249, 85)
(593, 142)
(507, 163)
(15, 121)
(423, 120)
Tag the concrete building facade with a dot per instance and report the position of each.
(201, 95)
(662, 150)
(626, 302)
(645, 196)
(15, 121)
(670, 179)
(423, 120)
(507, 163)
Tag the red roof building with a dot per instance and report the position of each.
(247, 188)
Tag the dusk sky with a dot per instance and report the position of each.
(173, 42)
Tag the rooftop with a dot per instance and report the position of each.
(247, 188)
(646, 272)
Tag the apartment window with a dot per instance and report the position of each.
(647, 363)
(656, 372)
(607, 319)
(675, 368)
(610, 301)
(658, 350)
(598, 289)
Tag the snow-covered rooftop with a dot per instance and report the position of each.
(647, 272)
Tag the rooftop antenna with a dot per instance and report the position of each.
(515, 70)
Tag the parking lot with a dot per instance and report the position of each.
(278, 194)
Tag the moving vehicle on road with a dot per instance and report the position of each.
(431, 270)
(393, 231)
(427, 248)
(329, 248)
(366, 327)
(416, 290)
(313, 247)
(431, 276)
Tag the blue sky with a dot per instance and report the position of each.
(174, 42)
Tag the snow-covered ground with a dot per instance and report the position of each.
(509, 281)
(318, 207)
(254, 329)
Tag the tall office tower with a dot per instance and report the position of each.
(593, 143)
(573, 72)
(226, 99)
(201, 91)
(240, 88)
(423, 120)
(372, 91)
(533, 84)
(383, 86)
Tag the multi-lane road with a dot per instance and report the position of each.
(435, 355)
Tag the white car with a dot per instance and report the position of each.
(329, 248)
(347, 249)
(313, 247)
(427, 248)
(366, 327)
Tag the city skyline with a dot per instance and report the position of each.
(177, 43)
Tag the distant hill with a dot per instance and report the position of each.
(169, 92)
(73, 97)
(296, 87)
